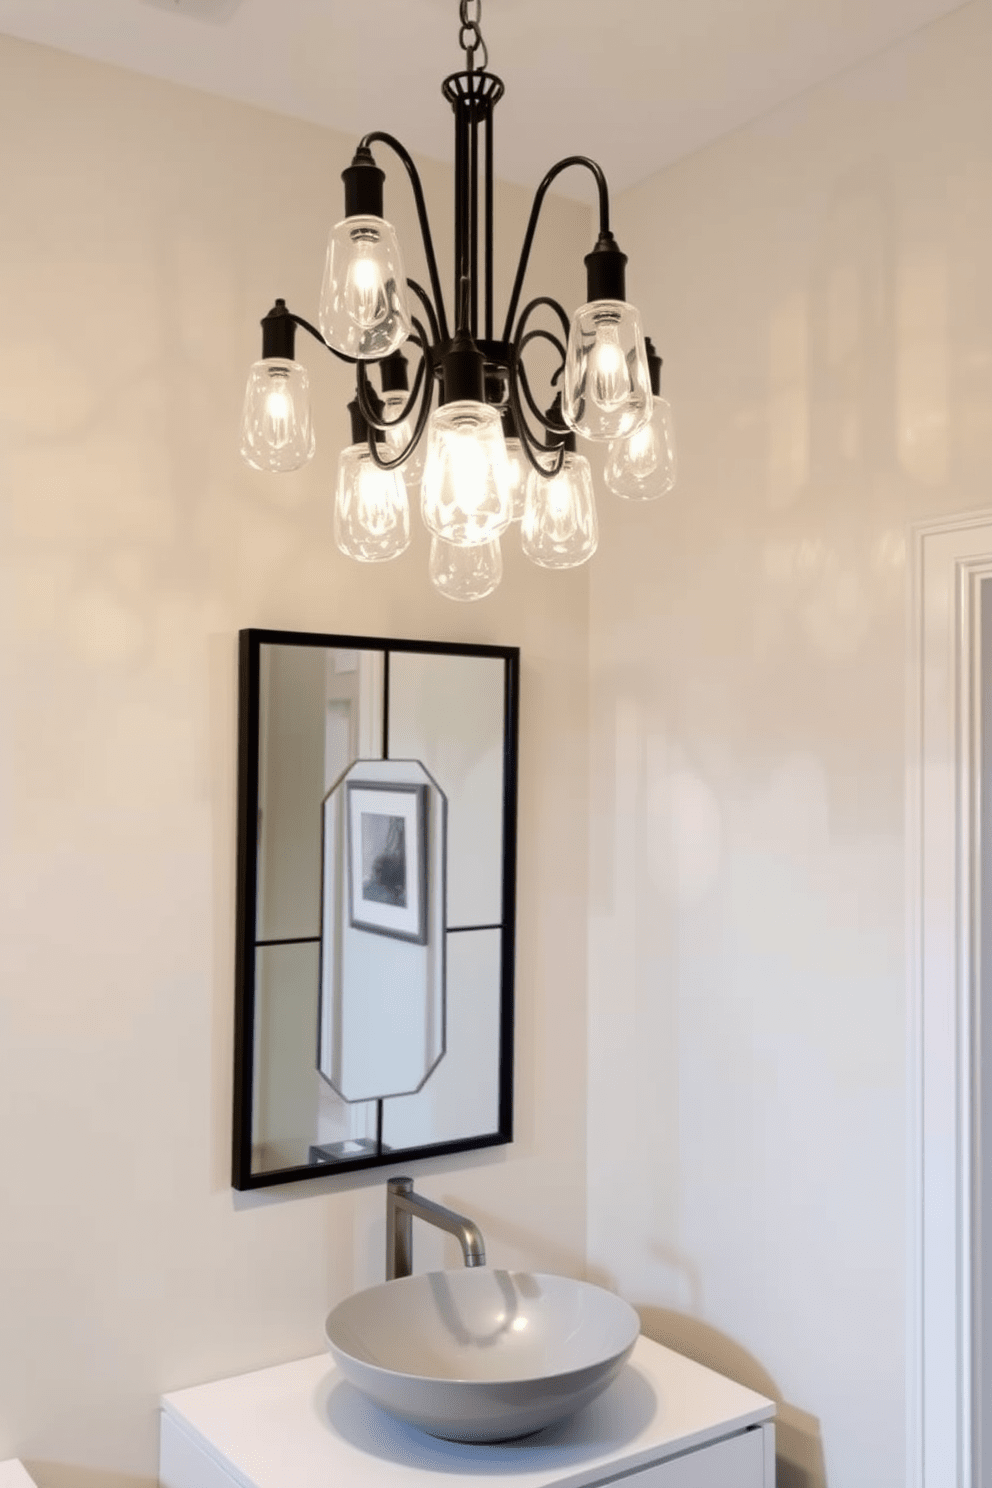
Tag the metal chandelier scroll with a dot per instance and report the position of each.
(488, 455)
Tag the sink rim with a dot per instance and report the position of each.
(619, 1348)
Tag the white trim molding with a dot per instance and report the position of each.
(950, 561)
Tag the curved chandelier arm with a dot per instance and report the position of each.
(542, 335)
(528, 311)
(368, 399)
(531, 448)
(535, 212)
(422, 416)
(306, 326)
(378, 136)
(523, 339)
(425, 300)
(532, 404)
(539, 334)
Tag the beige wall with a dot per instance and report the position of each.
(819, 285)
(144, 230)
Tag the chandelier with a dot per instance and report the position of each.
(489, 455)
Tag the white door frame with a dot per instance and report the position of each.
(950, 560)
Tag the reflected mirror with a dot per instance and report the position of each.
(375, 900)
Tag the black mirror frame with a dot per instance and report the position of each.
(249, 652)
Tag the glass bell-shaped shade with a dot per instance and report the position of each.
(464, 573)
(465, 489)
(559, 527)
(644, 465)
(519, 467)
(371, 509)
(396, 439)
(276, 433)
(364, 310)
(607, 385)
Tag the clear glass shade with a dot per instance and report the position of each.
(465, 490)
(276, 432)
(371, 508)
(559, 527)
(644, 465)
(519, 468)
(607, 385)
(364, 310)
(396, 439)
(464, 573)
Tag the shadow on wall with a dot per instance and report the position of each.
(798, 1447)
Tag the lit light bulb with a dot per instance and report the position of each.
(464, 573)
(644, 466)
(276, 433)
(559, 527)
(365, 289)
(610, 383)
(465, 488)
(371, 508)
(642, 448)
(364, 310)
(278, 412)
(607, 393)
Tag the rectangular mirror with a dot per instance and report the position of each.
(377, 784)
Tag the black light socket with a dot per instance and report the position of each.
(463, 372)
(654, 367)
(495, 388)
(278, 333)
(393, 373)
(562, 437)
(363, 185)
(359, 424)
(510, 430)
(605, 270)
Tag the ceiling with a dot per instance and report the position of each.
(634, 83)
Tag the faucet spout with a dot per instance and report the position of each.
(402, 1206)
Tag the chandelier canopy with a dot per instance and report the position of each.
(488, 455)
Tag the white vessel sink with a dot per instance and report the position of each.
(480, 1355)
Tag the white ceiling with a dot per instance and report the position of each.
(634, 83)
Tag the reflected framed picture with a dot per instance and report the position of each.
(387, 859)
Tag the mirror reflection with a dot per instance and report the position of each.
(375, 902)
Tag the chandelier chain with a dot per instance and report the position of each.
(470, 33)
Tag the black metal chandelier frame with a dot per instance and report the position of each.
(471, 363)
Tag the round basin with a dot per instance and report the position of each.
(481, 1355)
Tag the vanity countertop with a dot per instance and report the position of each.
(302, 1424)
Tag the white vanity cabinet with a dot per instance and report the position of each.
(665, 1422)
(14, 1475)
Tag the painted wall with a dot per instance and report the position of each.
(819, 286)
(145, 230)
(818, 283)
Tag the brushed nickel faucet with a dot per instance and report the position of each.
(402, 1205)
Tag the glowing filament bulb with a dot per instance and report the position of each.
(644, 466)
(278, 411)
(363, 304)
(465, 489)
(642, 449)
(365, 291)
(276, 433)
(371, 510)
(607, 392)
(559, 527)
(610, 384)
